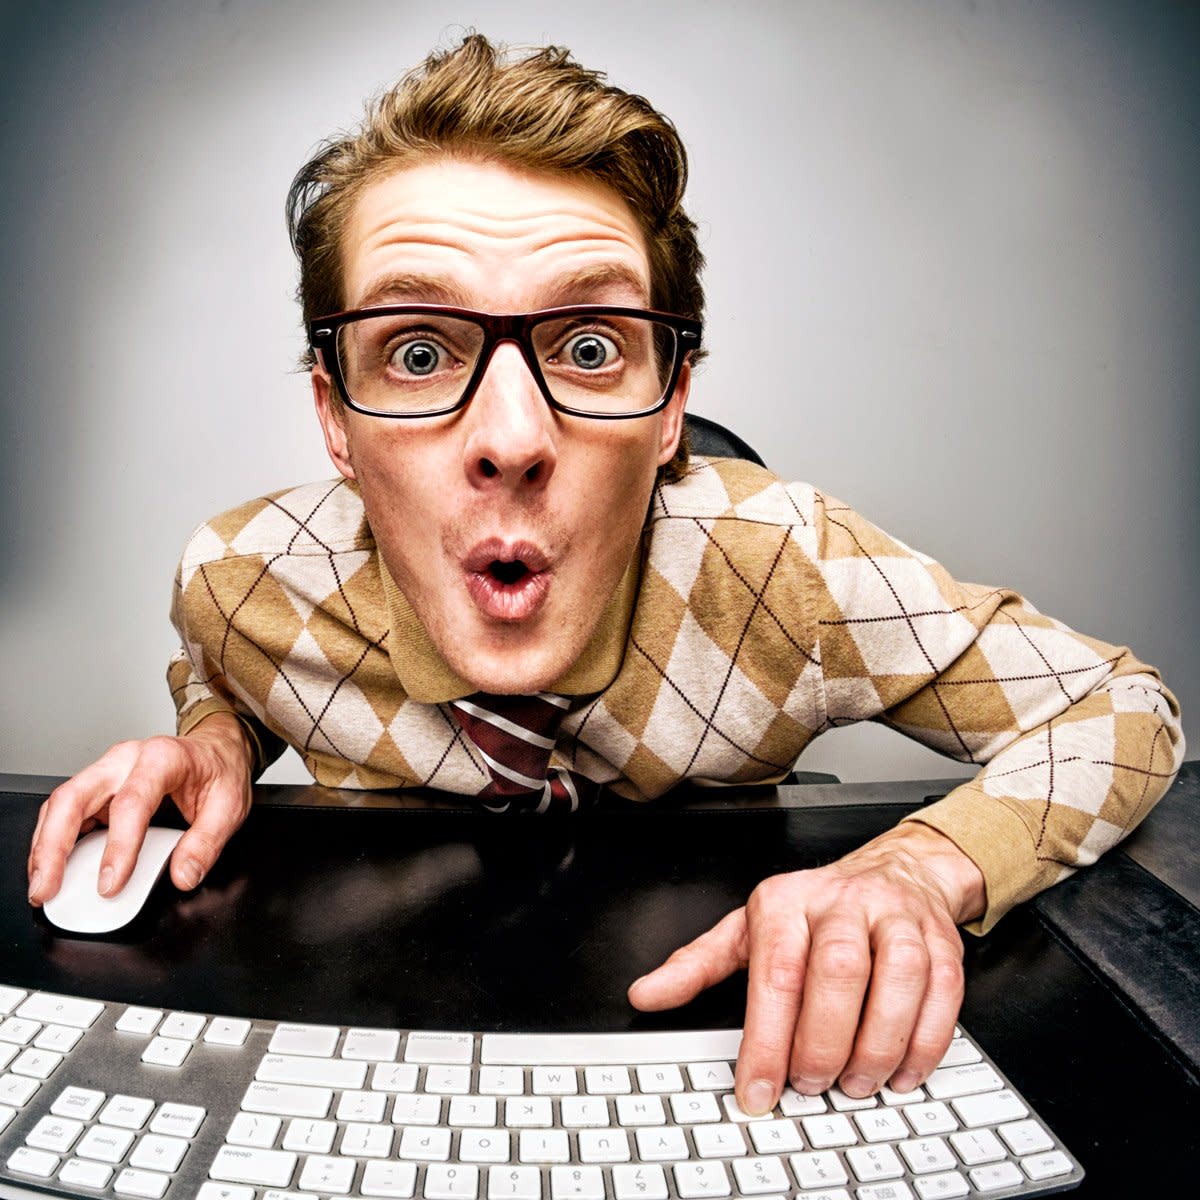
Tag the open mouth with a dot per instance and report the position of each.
(507, 581)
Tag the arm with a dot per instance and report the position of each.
(855, 969)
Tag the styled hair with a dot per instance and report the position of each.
(541, 112)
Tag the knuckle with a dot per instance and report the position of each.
(907, 961)
(842, 959)
(946, 976)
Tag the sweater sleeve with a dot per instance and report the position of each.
(1077, 739)
(199, 689)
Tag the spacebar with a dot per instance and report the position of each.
(594, 1049)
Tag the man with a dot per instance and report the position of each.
(519, 587)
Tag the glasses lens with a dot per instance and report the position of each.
(412, 363)
(603, 363)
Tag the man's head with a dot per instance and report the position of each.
(502, 188)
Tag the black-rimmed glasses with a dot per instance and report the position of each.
(421, 360)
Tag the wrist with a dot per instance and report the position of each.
(959, 880)
(228, 736)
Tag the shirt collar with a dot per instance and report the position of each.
(427, 678)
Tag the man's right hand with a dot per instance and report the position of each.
(206, 773)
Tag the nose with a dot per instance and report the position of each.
(510, 427)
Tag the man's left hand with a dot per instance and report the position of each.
(855, 968)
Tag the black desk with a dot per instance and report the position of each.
(396, 912)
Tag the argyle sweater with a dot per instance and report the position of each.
(757, 615)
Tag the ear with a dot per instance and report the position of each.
(672, 416)
(332, 416)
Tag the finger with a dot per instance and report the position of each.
(71, 803)
(713, 956)
(934, 1028)
(899, 980)
(778, 954)
(216, 822)
(835, 982)
(161, 766)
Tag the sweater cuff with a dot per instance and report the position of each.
(998, 841)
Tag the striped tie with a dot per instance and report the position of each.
(515, 735)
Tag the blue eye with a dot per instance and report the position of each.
(419, 358)
(591, 351)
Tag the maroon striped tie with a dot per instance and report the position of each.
(515, 735)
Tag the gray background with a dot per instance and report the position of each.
(953, 279)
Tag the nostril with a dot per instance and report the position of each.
(533, 472)
(489, 468)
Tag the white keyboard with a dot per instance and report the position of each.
(106, 1100)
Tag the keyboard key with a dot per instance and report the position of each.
(961, 1052)
(77, 1172)
(553, 1081)
(574, 1183)
(448, 1079)
(310, 1137)
(426, 1145)
(734, 1111)
(475, 1111)
(37, 1064)
(138, 1020)
(977, 1146)
(166, 1052)
(711, 1076)
(989, 1109)
(832, 1129)
(316, 1041)
(515, 1183)
(158, 1152)
(927, 1154)
(664, 1144)
(642, 1182)
(127, 1112)
(243, 1164)
(577, 1112)
(453, 1181)
(598, 1049)
(182, 1025)
(6, 1114)
(363, 1107)
(60, 1038)
(660, 1078)
(450, 1048)
(640, 1110)
(50, 1009)
(760, 1176)
(607, 1081)
(884, 1191)
(77, 1102)
(501, 1081)
(1046, 1166)
(949, 1185)
(881, 1125)
(10, 997)
(818, 1170)
(253, 1129)
(41, 1164)
(775, 1137)
(16, 1090)
(286, 1100)
(840, 1102)
(485, 1146)
(103, 1143)
(395, 1077)
(998, 1175)
(887, 1096)
(795, 1104)
(57, 1134)
(210, 1190)
(371, 1045)
(719, 1141)
(543, 1146)
(225, 1031)
(696, 1179)
(178, 1120)
(691, 1108)
(18, 1032)
(933, 1117)
(323, 1174)
(948, 1082)
(528, 1112)
(873, 1163)
(7, 1054)
(1025, 1137)
(367, 1141)
(135, 1182)
(416, 1110)
(395, 1179)
(318, 1072)
(603, 1146)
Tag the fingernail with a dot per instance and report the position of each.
(35, 881)
(905, 1081)
(858, 1086)
(760, 1098)
(808, 1087)
(106, 881)
(190, 874)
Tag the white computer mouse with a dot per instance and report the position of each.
(79, 908)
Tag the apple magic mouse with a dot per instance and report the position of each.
(79, 908)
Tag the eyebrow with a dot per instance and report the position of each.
(614, 283)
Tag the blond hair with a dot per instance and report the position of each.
(541, 112)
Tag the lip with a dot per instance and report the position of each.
(501, 601)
